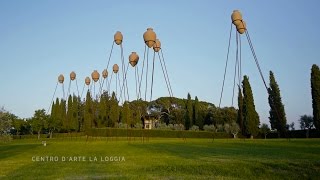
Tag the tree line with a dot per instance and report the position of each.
(76, 115)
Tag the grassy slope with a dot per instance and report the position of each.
(165, 159)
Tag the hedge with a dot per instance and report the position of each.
(117, 132)
(313, 133)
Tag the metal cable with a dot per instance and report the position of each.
(145, 93)
(123, 83)
(63, 90)
(235, 68)
(110, 54)
(123, 68)
(135, 77)
(82, 91)
(256, 59)
(164, 75)
(109, 84)
(77, 88)
(54, 93)
(154, 55)
(69, 89)
(225, 69)
(140, 81)
(165, 67)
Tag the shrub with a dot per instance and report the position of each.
(194, 128)
(209, 128)
(178, 127)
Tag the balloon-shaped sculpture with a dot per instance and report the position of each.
(133, 59)
(95, 76)
(242, 27)
(157, 46)
(105, 73)
(118, 37)
(61, 78)
(236, 17)
(115, 68)
(87, 81)
(72, 75)
(149, 37)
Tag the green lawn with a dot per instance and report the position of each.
(162, 159)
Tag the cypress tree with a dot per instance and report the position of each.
(126, 115)
(75, 113)
(114, 111)
(53, 111)
(63, 112)
(58, 115)
(197, 120)
(88, 113)
(188, 115)
(315, 92)
(250, 116)
(66, 123)
(277, 113)
(240, 111)
(102, 116)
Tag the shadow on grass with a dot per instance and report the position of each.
(236, 149)
(15, 149)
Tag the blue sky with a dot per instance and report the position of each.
(41, 39)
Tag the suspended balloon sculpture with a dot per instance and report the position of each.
(87, 82)
(115, 70)
(151, 41)
(60, 81)
(241, 28)
(133, 61)
(72, 78)
(95, 77)
(104, 76)
(118, 40)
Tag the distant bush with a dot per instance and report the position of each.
(194, 128)
(178, 127)
(209, 128)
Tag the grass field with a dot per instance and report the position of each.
(161, 159)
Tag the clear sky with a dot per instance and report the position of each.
(41, 39)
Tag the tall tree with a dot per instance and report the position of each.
(197, 120)
(102, 116)
(250, 116)
(188, 116)
(74, 124)
(126, 115)
(39, 121)
(88, 113)
(53, 120)
(63, 112)
(240, 111)
(5, 122)
(265, 130)
(315, 92)
(114, 111)
(66, 123)
(277, 113)
(306, 123)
